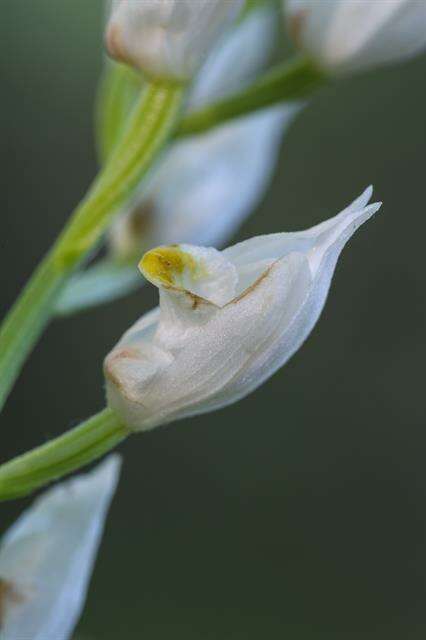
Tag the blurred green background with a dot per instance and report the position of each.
(300, 512)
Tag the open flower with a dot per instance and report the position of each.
(47, 556)
(349, 35)
(227, 320)
(167, 39)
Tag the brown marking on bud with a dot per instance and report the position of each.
(253, 286)
(9, 596)
(196, 301)
(114, 376)
(113, 44)
(126, 353)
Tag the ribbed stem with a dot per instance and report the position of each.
(118, 92)
(149, 126)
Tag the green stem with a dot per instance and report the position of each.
(288, 81)
(79, 446)
(149, 127)
(119, 88)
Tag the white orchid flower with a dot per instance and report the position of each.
(205, 186)
(167, 39)
(349, 35)
(47, 556)
(227, 320)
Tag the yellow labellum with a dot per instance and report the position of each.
(163, 264)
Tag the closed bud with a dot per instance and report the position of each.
(227, 320)
(167, 39)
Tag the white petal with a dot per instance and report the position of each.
(242, 53)
(252, 256)
(167, 38)
(100, 283)
(204, 358)
(207, 185)
(47, 556)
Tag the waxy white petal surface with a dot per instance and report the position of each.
(47, 556)
(194, 356)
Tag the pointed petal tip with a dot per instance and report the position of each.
(363, 200)
(105, 474)
(371, 209)
(111, 464)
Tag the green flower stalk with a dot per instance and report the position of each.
(289, 81)
(148, 128)
(65, 454)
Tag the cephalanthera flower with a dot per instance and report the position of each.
(227, 320)
(349, 35)
(47, 556)
(167, 39)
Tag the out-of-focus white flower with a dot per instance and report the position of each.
(167, 39)
(206, 186)
(244, 51)
(349, 35)
(226, 322)
(47, 556)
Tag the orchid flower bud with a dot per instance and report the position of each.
(343, 36)
(227, 320)
(167, 39)
(47, 556)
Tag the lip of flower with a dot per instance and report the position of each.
(202, 273)
(227, 320)
(347, 35)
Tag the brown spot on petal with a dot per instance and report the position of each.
(113, 43)
(141, 219)
(126, 353)
(9, 596)
(296, 23)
